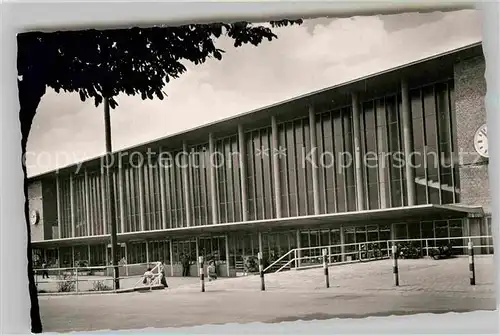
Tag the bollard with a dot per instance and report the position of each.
(76, 280)
(261, 271)
(471, 264)
(325, 267)
(395, 264)
(202, 273)
(296, 261)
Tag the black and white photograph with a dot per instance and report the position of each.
(238, 172)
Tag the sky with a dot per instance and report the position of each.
(320, 53)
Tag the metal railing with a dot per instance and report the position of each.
(151, 281)
(337, 254)
(74, 279)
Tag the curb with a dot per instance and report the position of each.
(124, 290)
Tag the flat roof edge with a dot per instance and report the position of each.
(403, 209)
(260, 109)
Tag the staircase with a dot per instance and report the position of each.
(280, 264)
(239, 266)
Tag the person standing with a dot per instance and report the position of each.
(185, 264)
(45, 272)
(163, 274)
(212, 271)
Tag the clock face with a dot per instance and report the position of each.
(481, 141)
(34, 217)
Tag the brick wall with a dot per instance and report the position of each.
(470, 90)
(35, 203)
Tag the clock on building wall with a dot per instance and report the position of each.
(481, 141)
(34, 217)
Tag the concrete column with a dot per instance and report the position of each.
(88, 253)
(163, 205)
(72, 256)
(261, 248)
(186, 184)
(342, 244)
(299, 253)
(408, 144)
(59, 208)
(227, 254)
(197, 255)
(58, 258)
(329, 249)
(87, 204)
(276, 167)
(360, 187)
(171, 257)
(104, 205)
(121, 196)
(72, 204)
(476, 229)
(147, 252)
(107, 258)
(126, 257)
(142, 212)
(314, 159)
(393, 231)
(466, 226)
(243, 172)
(213, 185)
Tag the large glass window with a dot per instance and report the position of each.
(396, 159)
(349, 170)
(350, 240)
(227, 180)
(401, 231)
(370, 154)
(136, 252)
(456, 230)
(441, 232)
(159, 251)
(97, 255)
(65, 257)
(81, 255)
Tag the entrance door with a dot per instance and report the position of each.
(400, 231)
(122, 259)
(159, 251)
(242, 245)
(336, 242)
(373, 246)
(349, 241)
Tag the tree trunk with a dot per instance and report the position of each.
(30, 94)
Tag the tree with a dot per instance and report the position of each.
(101, 64)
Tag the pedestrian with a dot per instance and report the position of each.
(45, 272)
(148, 277)
(212, 271)
(163, 275)
(185, 264)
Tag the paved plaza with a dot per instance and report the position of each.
(356, 290)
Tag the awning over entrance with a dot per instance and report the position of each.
(420, 212)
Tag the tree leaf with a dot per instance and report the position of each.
(106, 63)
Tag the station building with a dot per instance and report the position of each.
(394, 155)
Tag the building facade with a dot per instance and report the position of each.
(388, 156)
